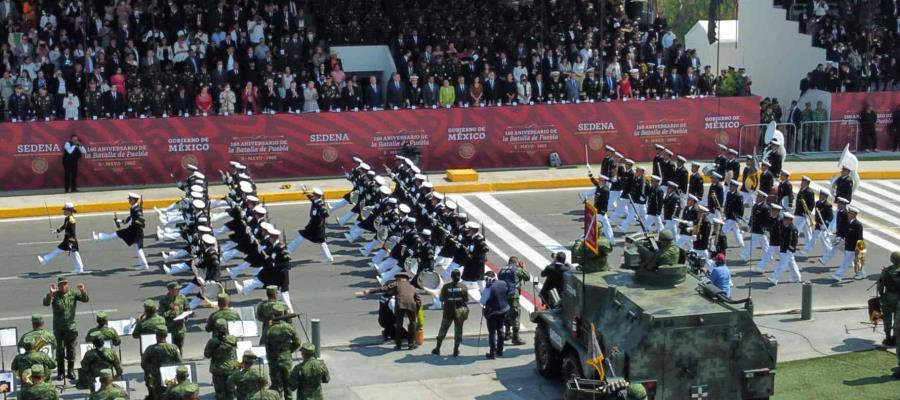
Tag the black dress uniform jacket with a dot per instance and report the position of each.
(134, 232)
(854, 234)
(315, 228)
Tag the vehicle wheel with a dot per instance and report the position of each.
(547, 358)
(571, 366)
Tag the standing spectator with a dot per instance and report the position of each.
(19, 105)
(867, 119)
(524, 89)
(795, 118)
(184, 103)
(572, 88)
(117, 81)
(494, 298)
(430, 93)
(819, 129)
(447, 95)
(373, 94)
(476, 92)
(72, 151)
(115, 104)
(71, 104)
(204, 101)
(269, 98)
(293, 100)
(249, 99)
(310, 98)
(351, 94)
(396, 93)
(227, 100)
(508, 90)
(807, 130)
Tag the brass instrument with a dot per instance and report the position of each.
(714, 234)
(211, 289)
(859, 257)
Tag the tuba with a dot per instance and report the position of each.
(211, 290)
(859, 256)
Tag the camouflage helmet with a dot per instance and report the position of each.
(895, 258)
(636, 391)
(221, 326)
(666, 236)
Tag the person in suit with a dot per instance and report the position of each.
(461, 91)
(374, 95)
(795, 117)
(572, 89)
(430, 92)
(115, 104)
(491, 88)
(675, 84)
(538, 89)
(396, 92)
(351, 95)
(609, 86)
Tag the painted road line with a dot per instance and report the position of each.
(49, 242)
(869, 211)
(511, 240)
(542, 238)
(28, 317)
(9, 278)
(526, 300)
(883, 197)
(892, 185)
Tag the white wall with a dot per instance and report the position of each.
(775, 54)
(726, 49)
(366, 59)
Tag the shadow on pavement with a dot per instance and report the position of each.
(853, 344)
(872, 380)
(523, 382)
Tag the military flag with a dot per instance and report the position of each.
(591, 228)
(595, 354)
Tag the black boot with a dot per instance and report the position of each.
(516, 341)
(71, 370)
(889, 339)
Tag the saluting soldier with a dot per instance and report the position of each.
(241, 381)
(43, 105)
(133, 232)
(759, 220)
(155, 356)
(69, 242)
(222, 363)
(108, 389)
(281, 341)
(514, 274)
(182, 385)
(225, 312)
(824, 214)
(265, 311)
(635, 199)
(31, 357)
(308, 376)
(732, 165)
(889, 294)
(171, 306)
(149, 322)
(97, 359)
(39, 389)
(315, 228)
(92, 102)
(37, 333)
(63, 302)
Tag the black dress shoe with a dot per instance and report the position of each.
(436, 351)
(489, 356)
(455, 353)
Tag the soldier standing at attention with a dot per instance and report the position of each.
(182, 387)
(514, 274)
(37, 333)
(889, 294)
(133, 232)
(39, 389)
(224, 312)
(171, 306)
(103, 330)
(266, 310)
(63, 302)
(308, 376)
(69, 242)
(72, 152)
(454, 295)
(240, 382)
(154, 357)
(149, 322)
(108, 389)
(281, 341)
(222, 363)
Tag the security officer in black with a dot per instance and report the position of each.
(92, 101)
(19, 106)
(455, 296)
(843, 185)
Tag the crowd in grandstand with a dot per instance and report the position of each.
(73, 59)
(860, 40)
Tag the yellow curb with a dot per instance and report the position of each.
(336, 193)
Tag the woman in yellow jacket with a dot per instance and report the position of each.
(446, 96)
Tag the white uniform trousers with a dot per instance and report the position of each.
(622, 207)
(631, 217)
(767, 257)
(603, 220)
(613, 203)
(654, 223)
(786, 261)
(760, 240)
(803, 227)
(818, 235)
(830, 253)
(846, 263)
(731, 226)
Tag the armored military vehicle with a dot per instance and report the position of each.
(662, 327)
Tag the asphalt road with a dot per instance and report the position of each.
(529, 224)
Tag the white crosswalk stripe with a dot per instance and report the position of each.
(542, 238)
(862, 200)
(500, 232)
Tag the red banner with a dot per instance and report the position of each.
(149, 151)
(591, 228)
(847, 106)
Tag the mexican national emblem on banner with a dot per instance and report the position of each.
(595, 354)
(591, 227)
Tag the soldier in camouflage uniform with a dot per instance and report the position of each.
(138, 103)
(331, 95)
(222, 363)
(203, 79)
(308, 376)
(108, 390)
(514, 274)
(103, 330)
(454, 297)
(262, 390)
(889, 295)
(156, 356)
(667, 253)
(63, 302)
(37, 333)
(224, 312)
(182, 386)
(171, 306)
(98, 359)
(92, 102)
(39, 388)
(149, 322)
(159, 101)
(265, 310)
(240, 382)
(43, 105)
(29, 358)
(281, 341)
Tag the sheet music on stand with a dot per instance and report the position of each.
(85, 347)
(168, 372)
(246, 313)
(149, 340)
(123, 327)
(184, 315)
(245, 345)
(121, 384)
(8, 337)
(243, 329)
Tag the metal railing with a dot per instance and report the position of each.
(828, 136)
(751, 137)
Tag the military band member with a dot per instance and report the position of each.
(655, 194)
(823, 215)
(787, 247)
(774, 231)
(680, 175)
(265, 310)
(766, 178)
(759, 220)
(64, 302)
(775, 157)
(315, 228)
(281, 341)
(149, 321)
(888, 289)
(601, 201)
(715, 195)
(658, 160)
(636, 199)
(852, 246)
(39, 389)
(133, 232)
(308, 376)
(170, 307)
(804, 208)
(29, 358)
(702, 228)
(108, 388)
(69, 242)
(732, 165)
(103, 330)
(671, 206)
(354, 176)
(749, 180)
(614, 205)
(695, 182)
(785, 193)
(241, 381)
(97, 359)
(734, 213)
(721, 161)
(155, 356)
(220, 350)
(684, 238)
(37, 333)
(843, 185)
(838, 226)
